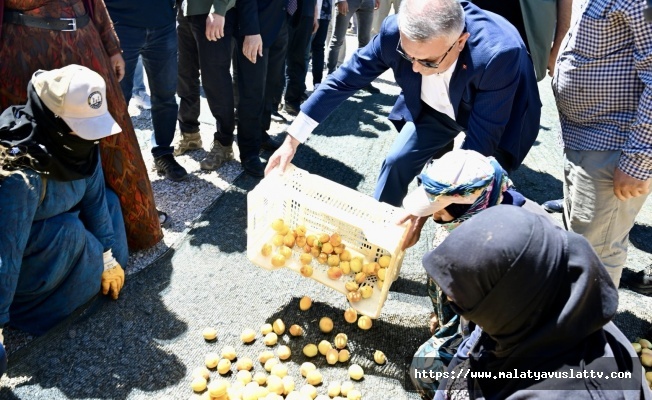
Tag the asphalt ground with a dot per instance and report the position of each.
(146, 344)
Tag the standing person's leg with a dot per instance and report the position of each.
(188, 88)
(299, 40)
(592, 209)
(318, 52)
(339, 38)
(273, 85)
(379, 15)
(139, 94)
(415, 144)
(365, 19)
(251, 105)
(160, 61)
(365, 16)
(139, 78)
(132, 40)
(215, 66)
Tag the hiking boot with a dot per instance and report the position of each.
(218, 155)
(189, 141)
(168, 166)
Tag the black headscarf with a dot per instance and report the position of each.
(542, 298)
(36, 138)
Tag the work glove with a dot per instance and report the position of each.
(113, 277)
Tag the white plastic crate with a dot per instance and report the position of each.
(367, 227)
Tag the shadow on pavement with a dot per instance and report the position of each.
(536, 185)
(641, 237)
(358, 116)
(395, 336)
(110, 351)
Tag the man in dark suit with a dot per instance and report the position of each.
(262, 46)
(460, 69)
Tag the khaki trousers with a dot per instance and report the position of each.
(592, 209)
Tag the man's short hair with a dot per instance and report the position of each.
(421, 20)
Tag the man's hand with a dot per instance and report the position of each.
(283, 156)
(433, 323)
(343, 7)
(214, 27)
(414, 231)
(315, 25)
(628, 187)
(552, 60)
(118, 65)
(252, 46)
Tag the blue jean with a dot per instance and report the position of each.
(51, 263)
(3, 360)
(139, 78)
(364, 9)
(158, 48)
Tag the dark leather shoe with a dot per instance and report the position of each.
(277, 117)
(254, 167)
(554, 206)
(271, 144)
(168, 166)
(291, 110)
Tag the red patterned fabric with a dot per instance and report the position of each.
(24, 50)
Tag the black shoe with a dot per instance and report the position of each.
(271, 144)
(254, 167)
(168, 166)
(277, 117)
(371, 89)
(639, 282)
(554, 206)
(291, 110)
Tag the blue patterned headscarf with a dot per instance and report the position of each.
(494, 186)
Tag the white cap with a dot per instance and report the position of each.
(77, 95)
(452, 170)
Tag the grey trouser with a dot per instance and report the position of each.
(365, 12)
(382, 12)
(592, 209)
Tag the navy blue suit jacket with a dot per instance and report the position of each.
(261, 17)
(266, 17)
(493, 89)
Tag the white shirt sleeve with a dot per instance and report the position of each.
(302, 127)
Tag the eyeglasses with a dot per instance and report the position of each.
(427, 64)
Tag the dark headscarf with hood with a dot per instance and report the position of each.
(38, 139)
(544, 302)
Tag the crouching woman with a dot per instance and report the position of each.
(62, 236)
